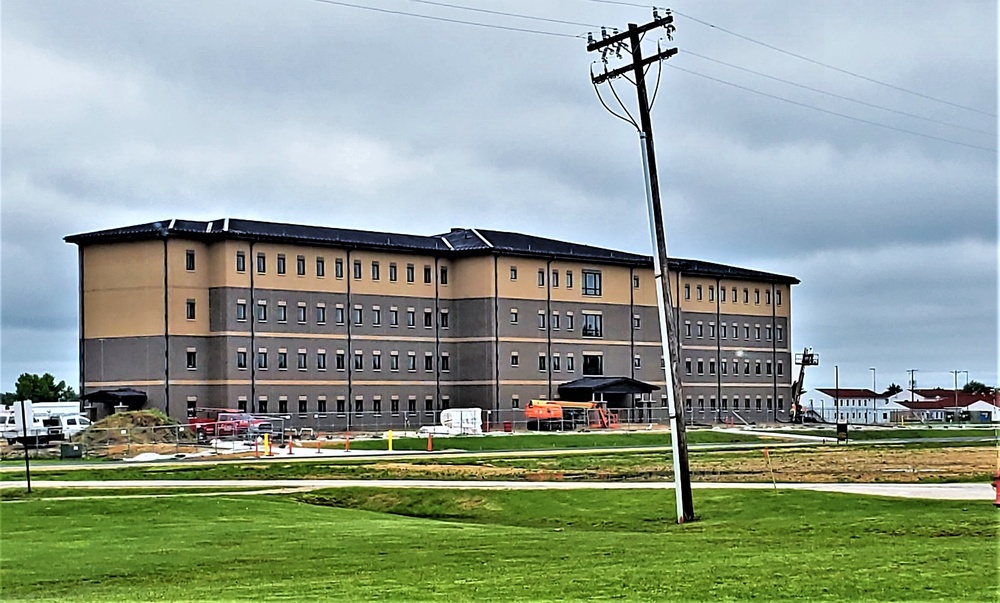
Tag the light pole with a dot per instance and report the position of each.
(966, 377)
(874, 395)
(913, 382)
(955, 373)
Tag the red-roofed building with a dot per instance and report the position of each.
(849, 405)
(949, 405)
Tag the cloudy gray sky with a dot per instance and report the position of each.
(121, 112)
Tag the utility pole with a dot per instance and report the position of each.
(913, 382)
(615, 43)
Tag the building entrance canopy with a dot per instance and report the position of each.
(616, 391)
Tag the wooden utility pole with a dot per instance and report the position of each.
(632, 39)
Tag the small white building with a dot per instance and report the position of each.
(850, 405)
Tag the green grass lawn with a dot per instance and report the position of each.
(904, 433)
(419, 545)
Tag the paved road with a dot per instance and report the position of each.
(963, 491)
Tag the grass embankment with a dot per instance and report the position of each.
(551, 441)
(363, 544)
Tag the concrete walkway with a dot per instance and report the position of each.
(961, 491)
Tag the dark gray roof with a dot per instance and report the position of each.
(458, 242)
(609, 385)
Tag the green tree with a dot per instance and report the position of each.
(978, 387)
(892, 390)
(42, 388)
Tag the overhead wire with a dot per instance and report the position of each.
(800, 56)
(619, 2)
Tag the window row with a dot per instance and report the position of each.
(375, 268)
(339, 358)
(759, 368)
(699, 293)
(340, 405)
(759, 403)
(700, 329)
(591, 279)
(340, 314)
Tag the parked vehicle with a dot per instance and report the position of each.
(38, 433)
(221, 423)
(559, 415)
(64, 427)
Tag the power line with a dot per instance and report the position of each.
(801, 57)
(834, 95)
(446, 19)
(503, 13)
(827, 111)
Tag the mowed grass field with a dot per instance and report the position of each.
(476, 545)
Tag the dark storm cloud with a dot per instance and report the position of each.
(292, 110)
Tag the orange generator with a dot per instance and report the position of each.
(558, 415)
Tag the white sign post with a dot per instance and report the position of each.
(24, 418)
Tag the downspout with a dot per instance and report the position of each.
(496, 337)
(166, 330)
(349, 353)
(718, 342)
(252, 267)
(437, 339)
(631, 319)
(548, 324)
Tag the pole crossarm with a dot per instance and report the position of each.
(607, 75)
(621, 37)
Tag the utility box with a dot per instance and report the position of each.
(841, 432)
(71, 451)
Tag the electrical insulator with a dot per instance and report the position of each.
(590, 37)
(604, 33)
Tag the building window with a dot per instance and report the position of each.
(280, 268)
(321, 360)
(282, 360)
(321, 272)
(541, 319)
(282, 404)
(687, 366)
(338, 268)
(410, 273)
(341, 403)
(687, 329)
(281, 312)
(376, 361)
(444, 319)
(376, 316)
(359, 361)
(241, 310)
(756, 296)
(777, 296)
(746, 367)
(261, 311)
(444, 275)
(781, 404)
(569, 279)
(189, 259)
(241, 404)
(394, 405)
(515, 402)
(302, 362)
(555, 278)
(712, 403)
(429, 405)
(445, 362)
(593, 364)
(513, 273)
(746, 332)
(780, 333)
(722, 327)
(746, 295)
(700, 330)
(515, 360)
(359, 405)
(241, 261)
(262, 405)
(570, 365)
(711, 293)
(513, 316)
(593, 325)
(711, 330)
(698, 292)
(300, 265)
(411, 318)
(767, 296)
(635, 281)
(301, 313)
(569, 321)
(262, 359)
(411, 404)
(541, 362)
(303, 405)
(376, 272)
(241, 359)
(192, 359)
(637, 362)
(781, 368)
(393, 317)
(768, 332)
(341, 361)
(636, 321)
(554, 321)
(711, 366)
(722, 294)
(428, 274)
(261, 263)
(189, 309)
(768, 368)
(393, 276)
(394, 361)
(321, 405)
(358, 316)
(701, 366)
(541, 278)
(428, 361)
(756, 332)
(411, 361)
(723, 367)
(357, 270)
(555, 362)
(321, 315)
(377, 405)
(591, 282)
(338, 314)
(687, 291)
(428, 318)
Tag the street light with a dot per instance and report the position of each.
(966, 377)
(874, 394)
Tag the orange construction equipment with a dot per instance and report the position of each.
(996, 490)
(560, 415)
